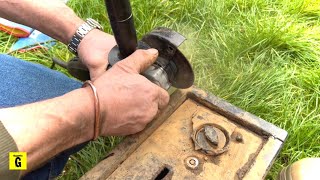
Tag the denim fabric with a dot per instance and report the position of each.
(24, 82)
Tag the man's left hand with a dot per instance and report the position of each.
(94, 50)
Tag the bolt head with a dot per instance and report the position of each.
(239, 138)
(192, 162)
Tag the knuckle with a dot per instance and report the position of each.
(149, 114)
(166, 98)
(131, 130)
(148, 89)
(146, 121)
(164, 95)
(120, 64)
(123, 66)
(142, 52)
(140, 128)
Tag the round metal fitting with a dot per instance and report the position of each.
(157, 74)
(192, 162)
(211, 139)
(239, 138)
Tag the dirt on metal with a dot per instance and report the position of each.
(198, 136)
(171, 144)
(244, 169)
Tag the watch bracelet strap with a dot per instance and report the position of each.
(81, 32)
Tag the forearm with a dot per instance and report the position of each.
(47, 128)
(52, 17)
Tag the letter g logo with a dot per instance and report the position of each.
(18, 162)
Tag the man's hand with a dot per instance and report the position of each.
(129, 101)
(94, 47)
(94, 50)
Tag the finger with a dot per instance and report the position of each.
(140, 60)
(134, 129)
(163, 98)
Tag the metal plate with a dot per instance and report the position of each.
(165, 148)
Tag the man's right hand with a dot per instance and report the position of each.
(128, 100)
(128, 103)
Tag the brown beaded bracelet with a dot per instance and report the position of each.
(96, 109)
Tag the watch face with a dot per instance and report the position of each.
(94, 23)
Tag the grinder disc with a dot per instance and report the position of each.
(167, 42)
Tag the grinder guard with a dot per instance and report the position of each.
(167, 43)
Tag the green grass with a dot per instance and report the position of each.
(260, 55)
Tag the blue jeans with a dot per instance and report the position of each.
(24, 82)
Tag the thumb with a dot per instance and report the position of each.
(140, 60)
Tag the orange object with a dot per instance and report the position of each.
(15, 29)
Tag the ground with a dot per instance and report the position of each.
(260, 55)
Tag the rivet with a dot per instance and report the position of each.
(239, 138)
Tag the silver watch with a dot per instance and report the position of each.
(81, 32)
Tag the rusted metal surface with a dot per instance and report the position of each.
(211, 134)
(171, 144)
(199, 137)
(241, 173)
(238, 115)
(265, 159)
(211, 139)
(118, 155)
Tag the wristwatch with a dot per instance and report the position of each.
(81, 32)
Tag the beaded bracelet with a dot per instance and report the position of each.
(96, 109)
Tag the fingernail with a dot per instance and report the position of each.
(153, 51)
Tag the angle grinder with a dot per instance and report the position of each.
(171, 68)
